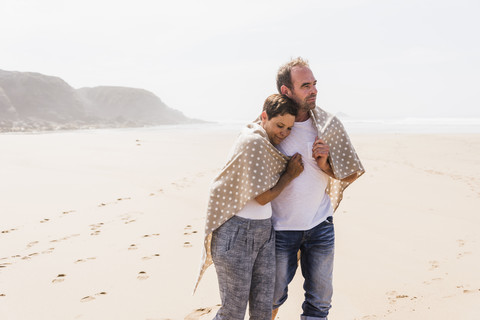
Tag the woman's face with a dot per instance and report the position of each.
(278, 128)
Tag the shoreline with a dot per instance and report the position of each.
(454, 125)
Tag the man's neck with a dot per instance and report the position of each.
(302, 116)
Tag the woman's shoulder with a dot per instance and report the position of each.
(254, 133)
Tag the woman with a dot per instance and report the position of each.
(239, 238)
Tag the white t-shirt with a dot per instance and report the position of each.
(255, 211)
(303, 204)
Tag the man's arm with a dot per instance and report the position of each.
(320, 152)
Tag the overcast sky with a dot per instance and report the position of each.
(217, 59)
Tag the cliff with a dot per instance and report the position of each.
(32, 101)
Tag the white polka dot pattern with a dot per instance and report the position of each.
(343, 158)
(255, 167)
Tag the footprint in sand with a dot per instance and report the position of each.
(434, 265)
(103, 204)
(8, 231)
(471, 291)
(128, 219)
(49, 250)
(3, 295)
(151, 235)
(462, 254)
(393, 296)
(142, 275)
(59, 278)
(188, 230)
(133, 247)
(151, 257)
(96, 226)
(90, 298)
(44, 220)
(31, 244)
(65, 238)
(154, 194)
(120, 199)
(195, 315)
(85, 260)
(87, 299)
(30, 256)
(68, 212)
(431, 281)
(182, 184)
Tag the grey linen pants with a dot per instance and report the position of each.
(243, 251)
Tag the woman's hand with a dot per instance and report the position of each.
(295, 166)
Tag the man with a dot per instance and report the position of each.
(302, 216)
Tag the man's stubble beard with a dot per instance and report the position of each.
(307, 106)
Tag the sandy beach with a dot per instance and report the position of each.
(108, 224)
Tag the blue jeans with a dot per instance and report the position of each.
(317, 250)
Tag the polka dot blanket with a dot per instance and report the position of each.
(342, 156)
(255, 166)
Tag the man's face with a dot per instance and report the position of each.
(304, 91)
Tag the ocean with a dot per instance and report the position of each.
(361, 126)
(413, 125)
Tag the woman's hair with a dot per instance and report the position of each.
(284, 74)
(278, 105)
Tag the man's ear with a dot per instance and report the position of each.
(284, 90)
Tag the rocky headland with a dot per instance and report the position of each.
(35, 102)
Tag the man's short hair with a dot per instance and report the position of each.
(278, 105)
(284, 74)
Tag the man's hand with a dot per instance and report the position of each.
(320, 152)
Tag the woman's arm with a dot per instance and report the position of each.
(294, 168)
